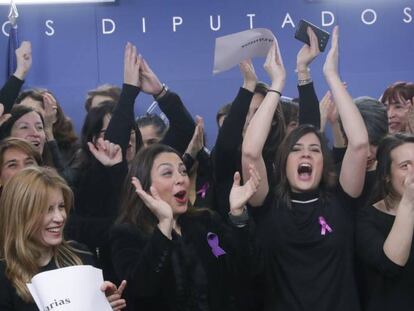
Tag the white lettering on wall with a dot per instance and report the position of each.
(3, 28)
(409, 17)
(144, 25)
(105, 22)
(177, 20)
(331, 15)
(374, 17)
(250, 16)
(51, 31)
(288, 20)
(218, 23)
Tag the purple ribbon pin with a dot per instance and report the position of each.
(324, 226)
(213, 241)
(203, 190)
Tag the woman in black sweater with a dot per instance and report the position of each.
(384, 232)
(176, 257)
(305, 223)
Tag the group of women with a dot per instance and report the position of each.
(267, 221)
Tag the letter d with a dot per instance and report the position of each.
(331, 15)
(106, 31)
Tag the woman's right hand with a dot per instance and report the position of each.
(408, 195)
(23, 59)
(132, 64)
(275, 68)
(161, 209)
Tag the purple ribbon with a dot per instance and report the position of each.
(213, 241)
(203, 190)
(324, 226)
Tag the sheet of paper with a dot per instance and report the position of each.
(232, 49)
(75, 288)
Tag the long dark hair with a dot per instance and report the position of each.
(328, 179)
(383, 187)
(133, 210)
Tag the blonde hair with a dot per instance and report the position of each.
(23, 204)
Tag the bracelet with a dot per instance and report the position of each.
(307, 69)
(240, 220)
(304, 81)
(274, 91)
(164, 89)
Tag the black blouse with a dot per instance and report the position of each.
(306, 252)
(387, 286)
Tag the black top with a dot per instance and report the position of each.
(226, 154)
(182, 273)
(10, 301)
(307, 266)
(9, 92)
(388, 286)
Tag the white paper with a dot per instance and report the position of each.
(232, 49)
(75, 288)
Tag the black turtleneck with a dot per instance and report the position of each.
(306, 252)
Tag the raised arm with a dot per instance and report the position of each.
(259, 127)
(12, 87)
(397, 246)
(308, 100)
(122, 121)
(352, 174)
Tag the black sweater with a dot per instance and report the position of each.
(387, 286)
(182, 273)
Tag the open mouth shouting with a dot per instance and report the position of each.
(305, 171)
(181, 197)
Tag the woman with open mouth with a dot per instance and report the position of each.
(33, 209)
(175, 256)
(305, 217)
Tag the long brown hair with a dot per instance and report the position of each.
(328, 180)
(133, 210)
(23, 204)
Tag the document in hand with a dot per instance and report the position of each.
(232, 49)
(75, 288)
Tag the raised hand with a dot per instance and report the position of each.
(249, 75)
(275, 68)
(132, 63)
(161, 209)
(3, 117)
(408, 195)
(308, 52)
(107, 153)
(150, 83)
(114, 294)
(329, 113)
(239, 195)
(197, 142)
(330, 68)
(23, 59)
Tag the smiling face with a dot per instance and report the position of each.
(398, 114)
(30, 128)
(169, 177)
(14, 160)
(304, 165)
(50, 233)
(401, 158)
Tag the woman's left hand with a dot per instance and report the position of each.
(331, 64)
(239, 195)
(114, 294)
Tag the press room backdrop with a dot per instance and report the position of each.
(77, 47)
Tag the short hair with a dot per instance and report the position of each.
(154, 120)
(23, 204)
(375, 118)
(21, 145)
(397, 91)
(261, 88)
(108, 90)
(223, 112)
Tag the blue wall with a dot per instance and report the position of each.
(77, 56)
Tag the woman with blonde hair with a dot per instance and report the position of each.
(33, 209)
